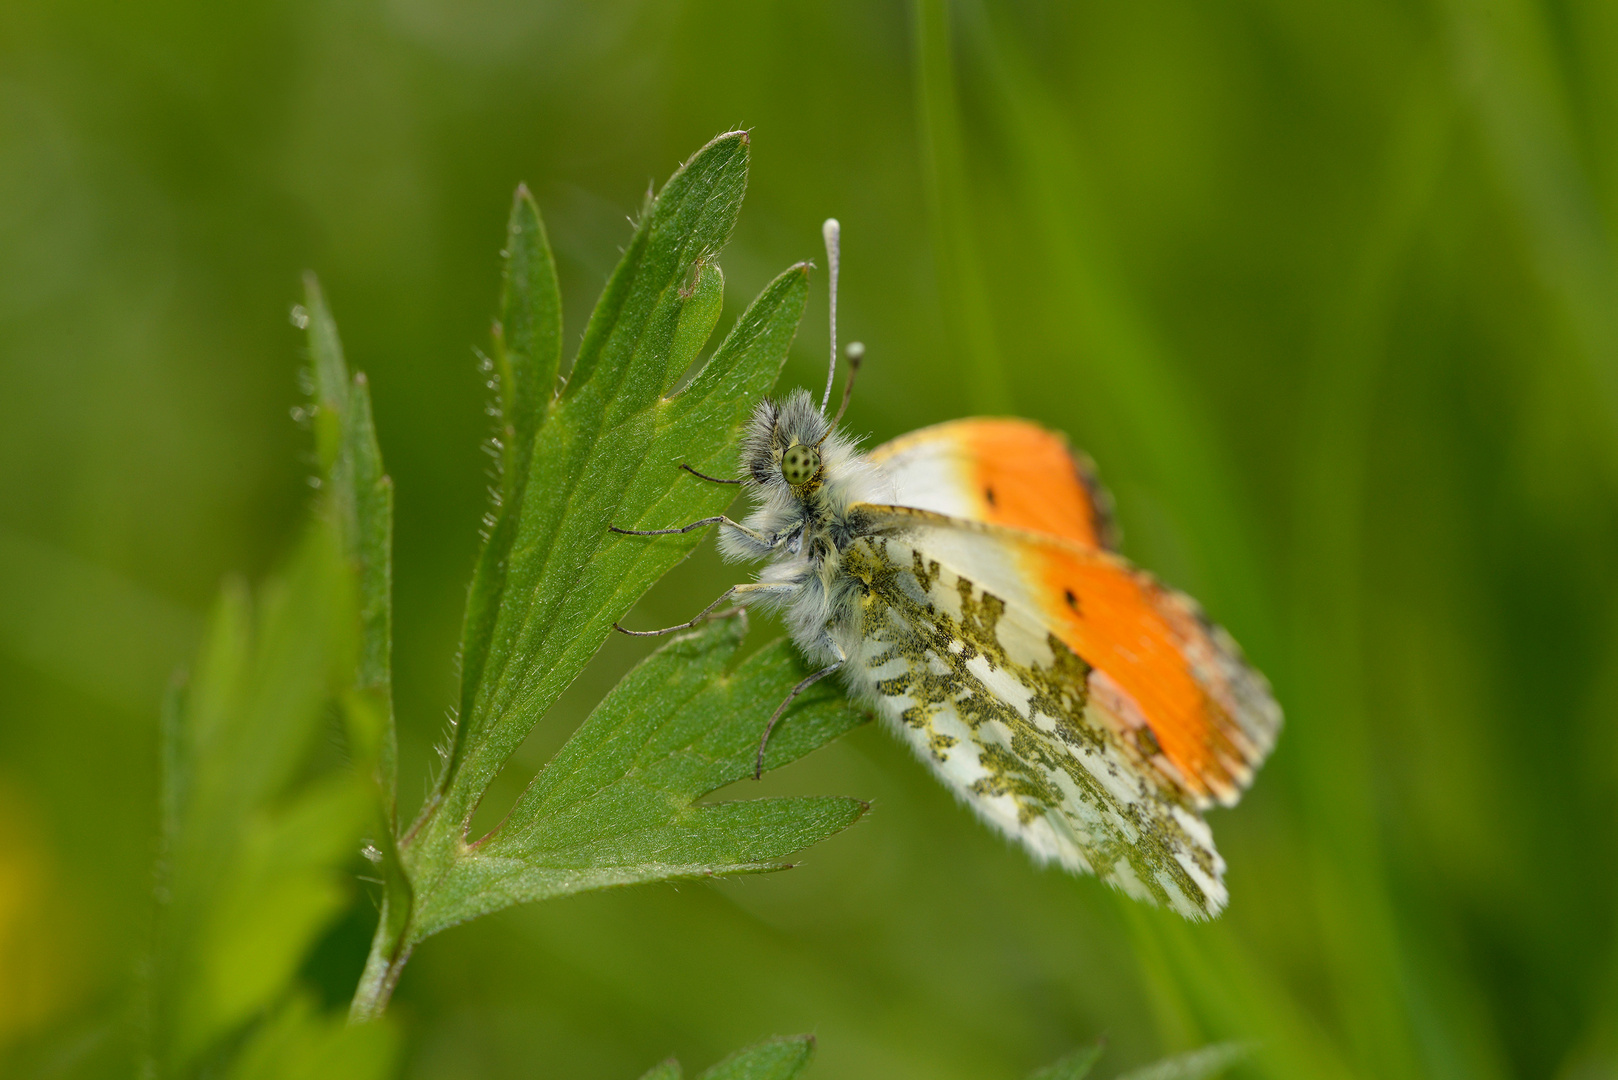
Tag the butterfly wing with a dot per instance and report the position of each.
(1118, 710)
(1001, 708)
(1174, 680)
(1002, 472)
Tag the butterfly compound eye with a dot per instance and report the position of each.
(799, 464)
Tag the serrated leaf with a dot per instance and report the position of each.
(1199, 1064)
(608, 452)
(618, 804)
(684, 227)
(781, 1058)
(1075, 1066)
(527, 356)
(664, 1070)
(553, 579)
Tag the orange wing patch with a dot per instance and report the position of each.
(1159, 668)
(1002, 472)
(1028, 478)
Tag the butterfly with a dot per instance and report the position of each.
(963, 580)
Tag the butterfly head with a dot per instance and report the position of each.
(786, 444)
(803, 473)
(800, 464)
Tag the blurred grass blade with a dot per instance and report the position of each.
(963, 293)
(781, 1058)
(1200, 1064)
(67, 617)
(1075, 1066)
(618, 804)
(1511, 58)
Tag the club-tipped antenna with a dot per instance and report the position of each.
(831, 231)
(854, 354)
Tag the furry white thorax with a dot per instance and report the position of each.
(809, 525)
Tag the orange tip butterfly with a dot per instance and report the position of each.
(963, 581)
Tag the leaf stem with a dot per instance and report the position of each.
(389, 954)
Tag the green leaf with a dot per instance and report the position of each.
(618, 804)
(527, 356)
(528, 337)
(253, 838)
(685, 226)
(542, 600)
(300, 1044)
(781, 1058)
(1198, 1064)
(359, 501)
(705, 299)
(1075, 1066)
(359, 497)
(569, 578)
(280, 893)
(248, 876)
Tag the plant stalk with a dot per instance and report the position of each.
(390, 950)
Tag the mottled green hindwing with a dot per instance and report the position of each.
(998, 707)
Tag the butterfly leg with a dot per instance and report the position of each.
(710, 479)
(718, 519)
(753, 588)
(842, 658)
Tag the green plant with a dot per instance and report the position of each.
(261, 818)
(617, 805)
(257, 825)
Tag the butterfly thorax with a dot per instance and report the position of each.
(805, 477)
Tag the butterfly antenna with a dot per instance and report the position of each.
(854, 354)
(830, 231)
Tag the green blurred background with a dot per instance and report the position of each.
(1328, 290)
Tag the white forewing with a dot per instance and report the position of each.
(929, 473)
